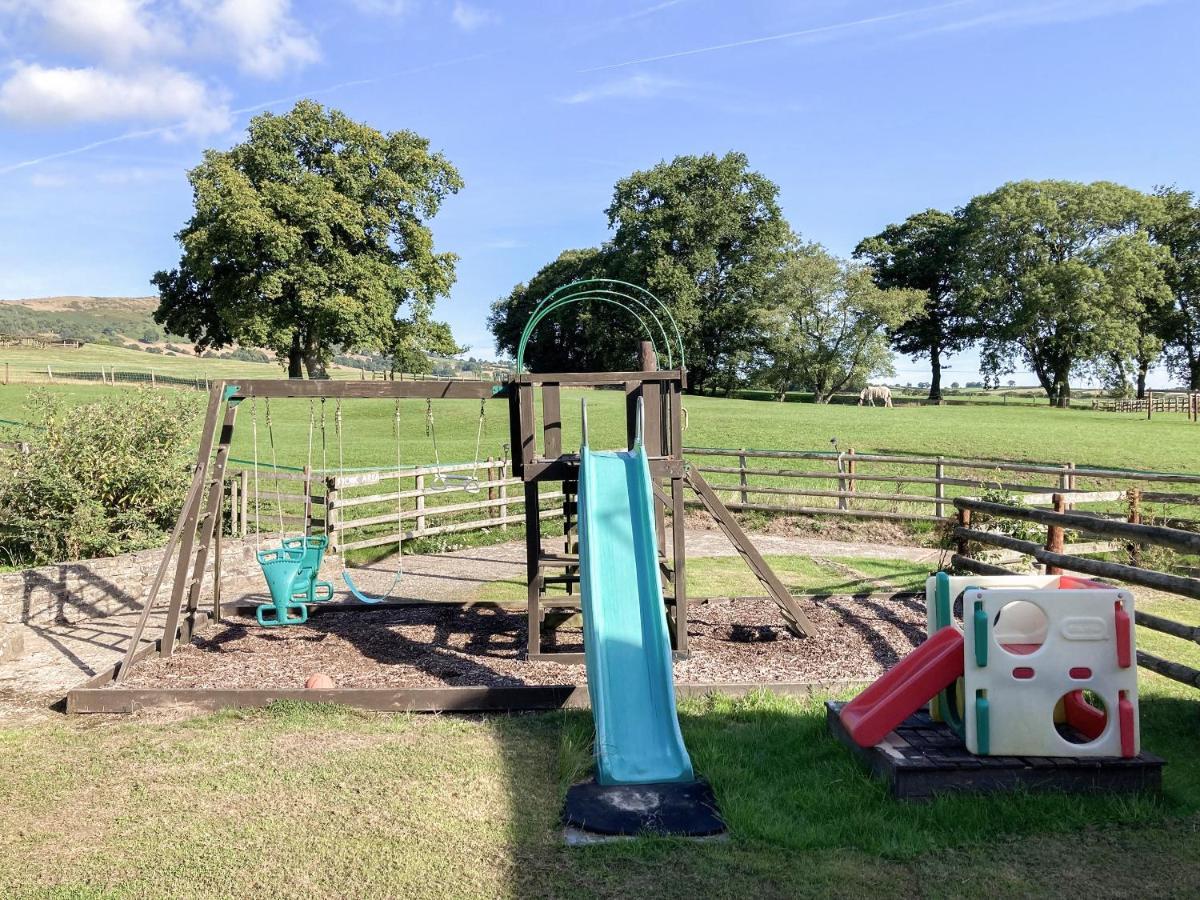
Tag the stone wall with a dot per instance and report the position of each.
(93, 588)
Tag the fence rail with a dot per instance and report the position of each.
(905, 487)
(1056, 560)
(421, 501)
(1155, 401)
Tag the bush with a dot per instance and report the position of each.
(102, 478)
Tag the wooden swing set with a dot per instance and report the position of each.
(194, 542)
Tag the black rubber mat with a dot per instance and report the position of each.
(665, 808)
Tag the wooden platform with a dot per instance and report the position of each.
(923, 758)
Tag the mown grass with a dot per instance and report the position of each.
(728, 576)
(302, 800)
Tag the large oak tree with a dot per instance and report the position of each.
(921, 253)
(1039, 267)
(312, 234)
(578, 337)
(704, 234)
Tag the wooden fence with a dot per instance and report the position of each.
(361, 510)
(1155, 402)
(1132, 534)
(912, 488)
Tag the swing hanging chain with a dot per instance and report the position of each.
(399, 493)
(274, 467)
(442, 481)
(254, 440)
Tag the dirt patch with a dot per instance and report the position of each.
(452, 645)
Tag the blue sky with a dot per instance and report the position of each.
(862, 112)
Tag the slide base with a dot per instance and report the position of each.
(681, 809)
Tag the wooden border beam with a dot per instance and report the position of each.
(367, 390)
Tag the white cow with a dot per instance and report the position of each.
(870, 394)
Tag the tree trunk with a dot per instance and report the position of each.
(312, 357)
(295, 358)
(1143, 368)
(935, 366)
(1064, 393)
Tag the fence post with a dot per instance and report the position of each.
(939, 487)
(153, 380)
(850, 468)
(49, 373)
(742, 474)
(964, 521)
(1149, 404)
(332, 525)
(841, 482)
(504, 491)
(1054, 534)
(419, 528)
(1135, 518)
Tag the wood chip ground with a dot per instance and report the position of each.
(732, 641)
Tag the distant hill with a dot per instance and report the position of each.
(128, 322)
(88, 304)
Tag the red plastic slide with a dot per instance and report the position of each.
(903, 689)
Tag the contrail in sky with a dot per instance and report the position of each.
(821, 29)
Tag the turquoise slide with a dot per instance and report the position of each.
(625, 625)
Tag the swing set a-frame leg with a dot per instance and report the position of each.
(193, 516)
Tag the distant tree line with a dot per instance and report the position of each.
(1063, 278)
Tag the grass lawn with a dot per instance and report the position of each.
(728, 576)
(320, 801)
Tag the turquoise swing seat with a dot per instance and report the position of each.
(282, 567)
(306, 586)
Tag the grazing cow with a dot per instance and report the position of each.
(870, 394)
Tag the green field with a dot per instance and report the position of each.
(1036, 434)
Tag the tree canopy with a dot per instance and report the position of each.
(824, 324)
(312, 234)
(704, 234)
(1038, 264)
(580, 337)
(1178, 229)
(921, 253)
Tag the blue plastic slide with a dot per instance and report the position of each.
(625, 626)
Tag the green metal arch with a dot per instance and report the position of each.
(608, 290)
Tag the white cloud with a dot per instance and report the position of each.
(635, 87)
(264, 38)
(116, 30)
(38, 95)
(468, 17)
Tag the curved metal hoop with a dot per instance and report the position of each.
(619, 293)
